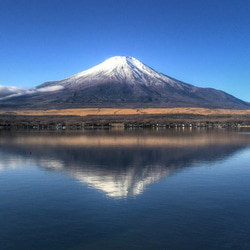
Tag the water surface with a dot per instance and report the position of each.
(143, 189)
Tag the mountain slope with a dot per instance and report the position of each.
(123, 82)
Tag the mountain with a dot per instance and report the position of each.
(122, 82)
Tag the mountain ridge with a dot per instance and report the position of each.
(123, 82)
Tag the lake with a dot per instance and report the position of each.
(125, 189)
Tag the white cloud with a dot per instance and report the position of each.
(11, 91)
(7, 91)
(50, 88)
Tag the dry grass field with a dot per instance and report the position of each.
(120, 112)
(141, 117)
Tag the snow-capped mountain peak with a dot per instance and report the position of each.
(122, 81)
(121, 69)
(117, 64)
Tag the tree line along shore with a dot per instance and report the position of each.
(73, 122)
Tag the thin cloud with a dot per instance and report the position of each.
(11, 91)
(50, 88)
(8, 91)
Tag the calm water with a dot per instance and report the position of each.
(172, 189)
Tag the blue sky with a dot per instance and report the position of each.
(202, 42)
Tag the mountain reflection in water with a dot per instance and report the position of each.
(121, 164)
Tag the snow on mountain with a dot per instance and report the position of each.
(121, 69)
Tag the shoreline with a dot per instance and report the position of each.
(123, 118)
